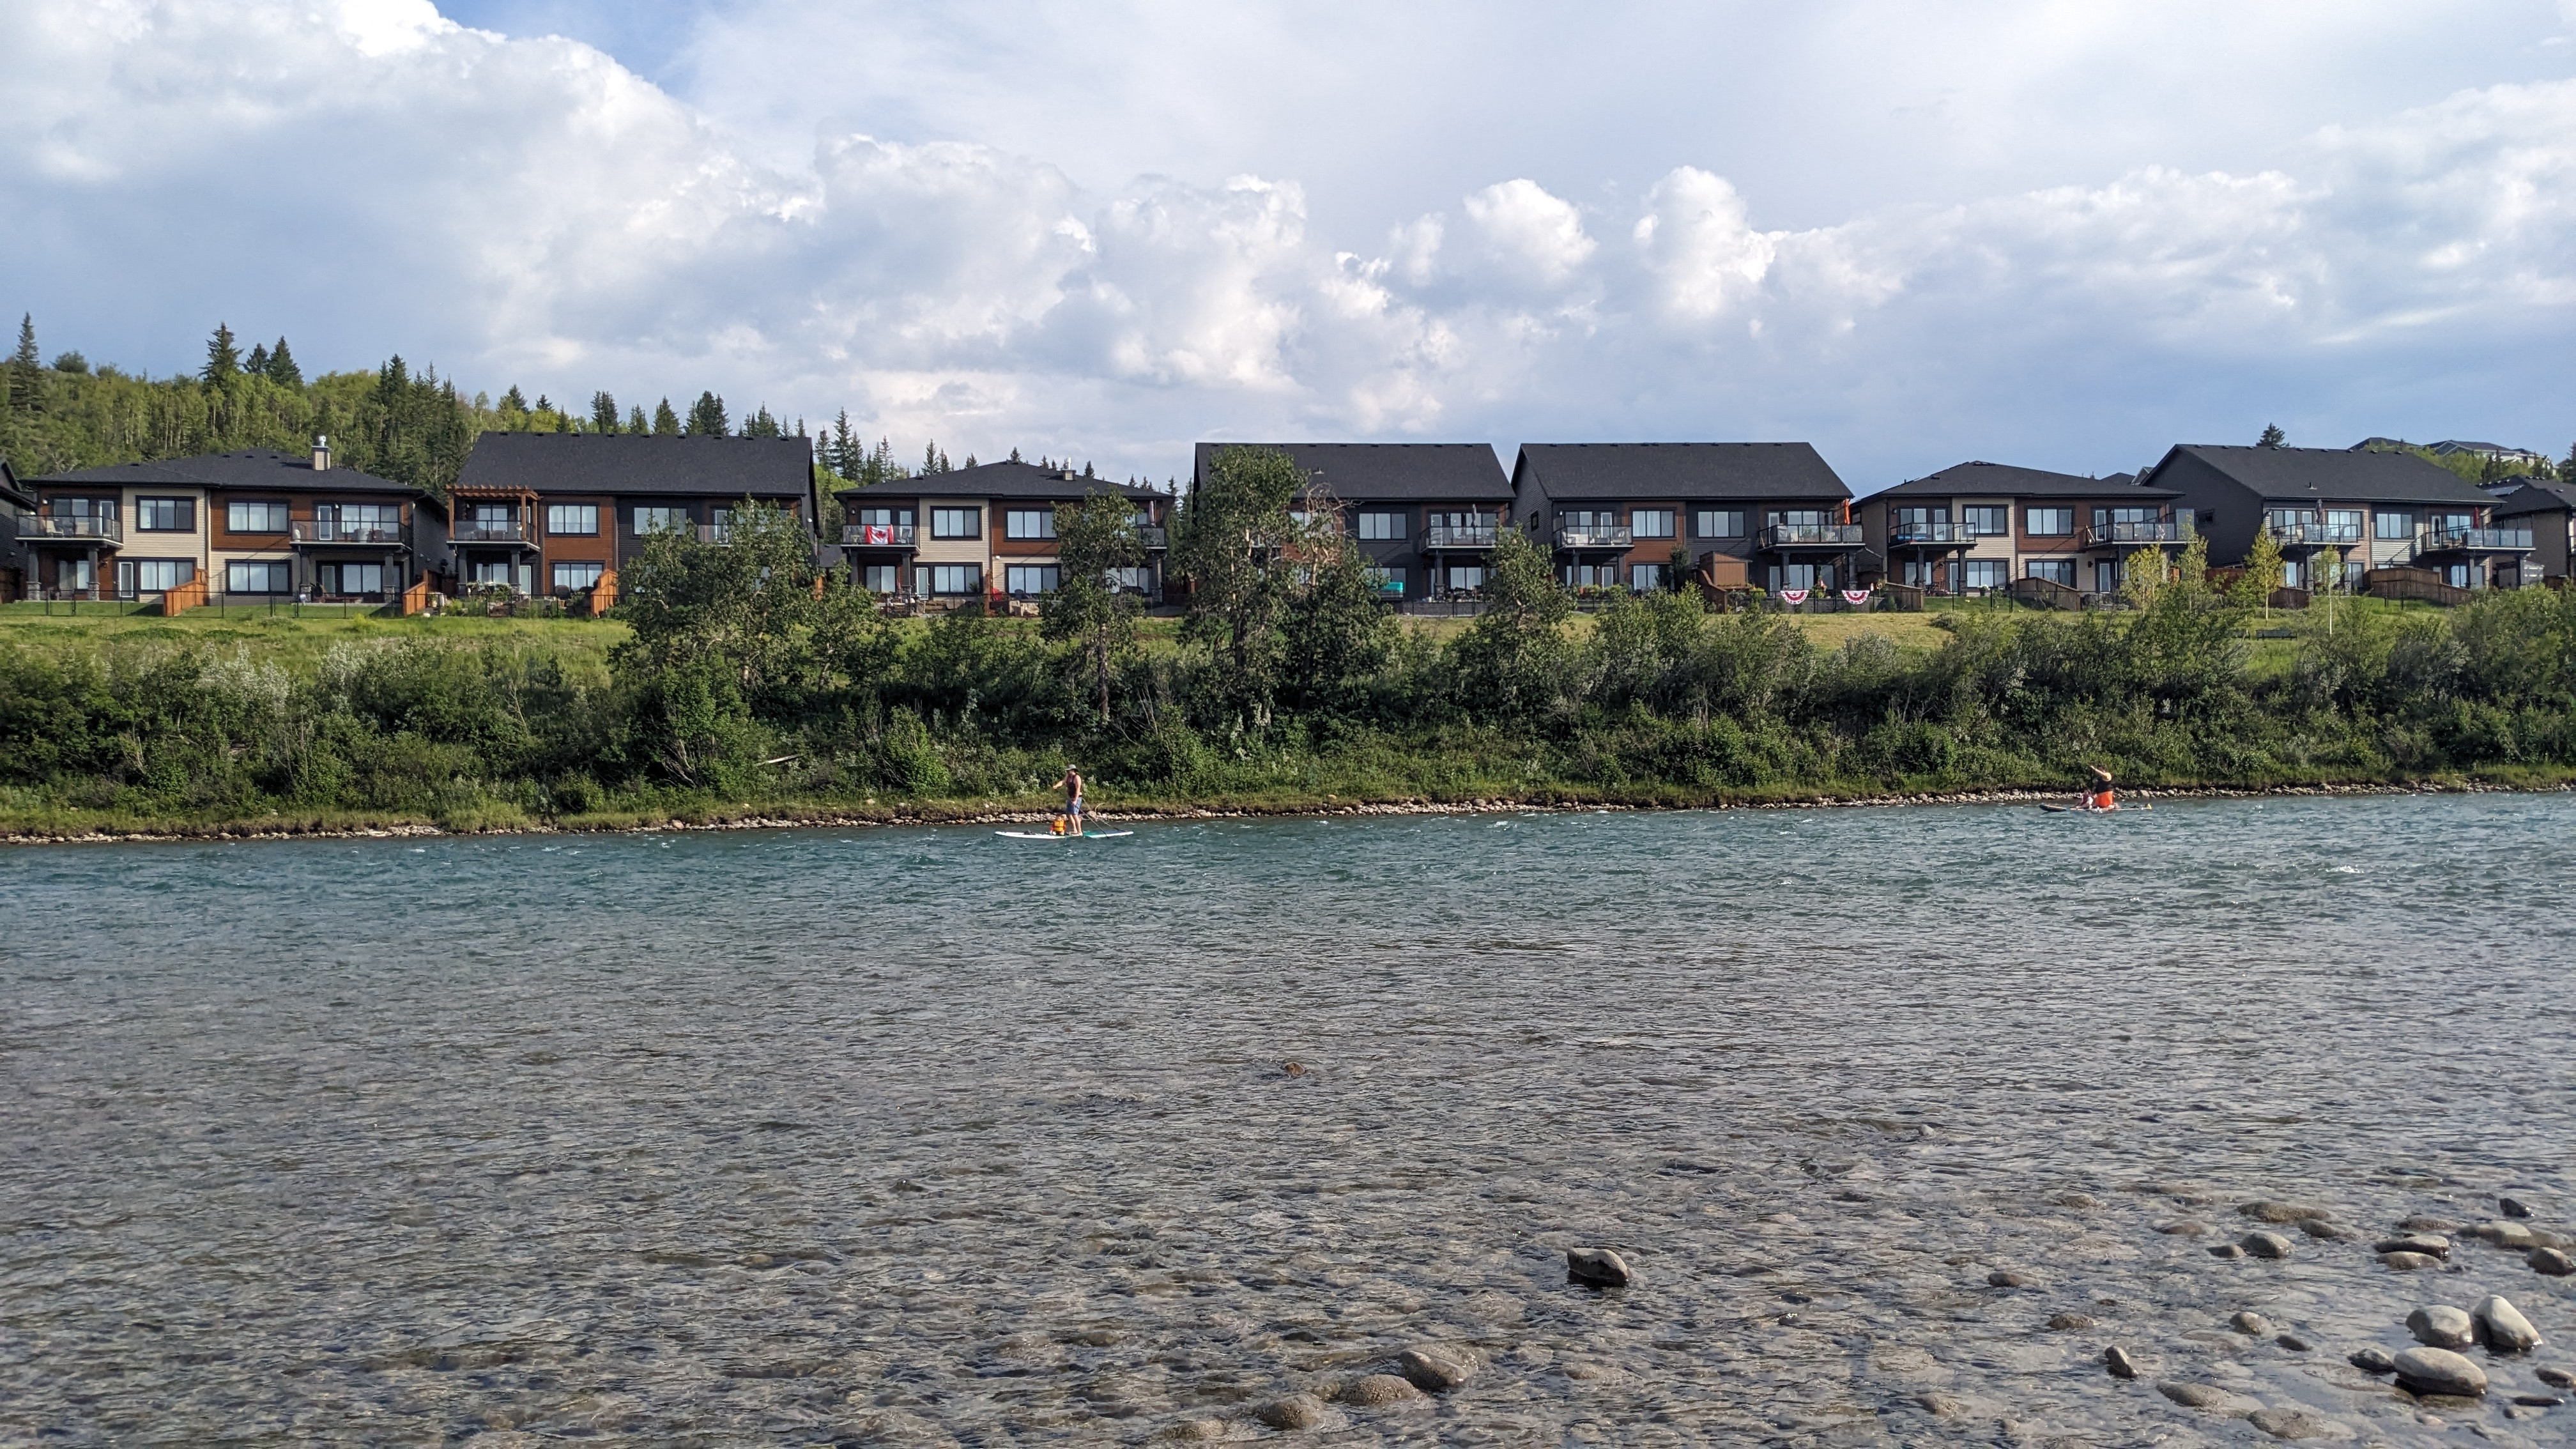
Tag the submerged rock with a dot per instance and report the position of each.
(1437, 1370)
(2116, 1359)
(2251, 1324)
(2069, 1322)
(2205, 1396)
(2292, 1342)
(2559, 1376)
(2007, 1278)
(2539, 1401)
(2265, 1245)
(2439, 1325)
(1597, 1267)
(2327, 1230)
(2503, 1235)
(2422, 1224)
(1297, 1411)
(2407, 1262)
(2514, 1207)
(2552, 1261)
(2184, 1228)
(2440, 1371)
(1193, 1431)
(2428, 1245)
(2280, 1212)
(2373, 1360)
(2287, 1423)
(2227, 1250)
(1379, 1391)
(2502, 1328)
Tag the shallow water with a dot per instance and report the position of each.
(923, 1134)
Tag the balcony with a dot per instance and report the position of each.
(1153, 537)
(876, 535)
(1443, 535)
(1781, 536)
(334, 531)
(2476, 540)
(2315, 533)
(1595, 538)
(1931, 532)
(72, 528)
(2124, 535)
(715, 533)
(502, 532)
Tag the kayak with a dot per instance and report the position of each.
(1051, 835)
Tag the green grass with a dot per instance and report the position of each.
(297, 640)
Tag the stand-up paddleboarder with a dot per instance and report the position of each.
(1071, 784)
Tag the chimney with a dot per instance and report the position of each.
(321, 454)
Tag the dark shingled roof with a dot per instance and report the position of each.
(2536, 495)
(996, 480)
(9, 485)
(1688, 471)
(2310, 475)
(624, 463)
(254, 469)
(1368, 472)
(2003, 480)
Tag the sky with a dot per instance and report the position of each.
(2063, 235)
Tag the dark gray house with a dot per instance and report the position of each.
(1771, 515)
(554, 513)
(15, 503)
(1978, 527)
(2548, 509)
(974, 532)
(2375, 510)
(1425, 514)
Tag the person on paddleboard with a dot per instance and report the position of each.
(2098, 796)
(1071, 784)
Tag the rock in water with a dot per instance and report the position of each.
(2116, 1359)
(2292, 1342)
(2551, 1261)
(2422, 1224)
(1194, 1431)
(2328, 1230)
(2183, 1228)
(2007, 1278)
(1437, 1370)
(2440, 1371)
(2372, 1360)
(2203, 1396)
(1597, 1267)
(2438, 1325)
(2428, 1245)
(2251, 1324)
(2559, 1376)
(2503, 1235)
(2265, 1245)
(2280, 1212)
(2514, 1208)
(1378, 1391)
(2287, 1423)
(1297, 1411)
(2227, 1250)
(2069, 1322)
(2502, 1328)
(2406, 1262)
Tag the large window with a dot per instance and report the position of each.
(1022, 580)
(259, 578)
(1981, 573)
(720, 525)
(956, 523)
(881, 578)
(1651, 522)
(879, 517)
(353, 578)
(954, 579)
(572, 520)
(264, 516)
(1131, 580)
(2049, 523)
(1467, 576)
(1647, 578)
(1387, 581)
(572, 578)
(2396, 526)
(357, 522)
(2453, 522)
(1718, 523)
(1986, 520)
(155, 575)
(165, 515)
(660, 520)
(2053, 570)
(1016, 523)
(485, 572)
(2343, 525)
(1589, 576)
(1378, 524)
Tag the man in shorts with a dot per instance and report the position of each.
(1072, 787)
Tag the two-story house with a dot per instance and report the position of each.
(257, 526)
(1770, 515)
(1981, 527)
(2373, 510)
(981, 531)
(1424, 515)
(15, 503)
(555, 513)
(2548, 509)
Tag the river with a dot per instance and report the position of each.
(924, 1135)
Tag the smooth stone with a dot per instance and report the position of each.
(2439, 1325)
(2538, 1401)
(2422, 1224)
(1436, 1370)
(1597, 1267)
(2086, 1200)
(2116, 1359)
(2503, 1235)
(2553, 1262)
(2372, 1360)
(2227, 1250)
(2501, 1326)
(2265, 1245)
(1297, 1411)
(2514, 1207)
(2287, 1423)
(2292, 1342)
(2202, 1396)
(2279, 1212)
(1377, 1391)
(2332, 1232)
(2407, 1262)
(2184, 1228)
(2440, 1371)
(2006, 1278)
(2425, 1245)
(2069, 1322)
(2251, 1324)
(1943, 1406)
(1194, 1431)
(2557, 1376)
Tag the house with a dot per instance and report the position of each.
(16, 503)
(1978, 527)
(2375, 510)
(978, 531)
(2548, 509)
(555, 513)
(1614, 515)
(1424, 515)
(258, 525)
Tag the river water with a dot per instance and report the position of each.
(924, 1135)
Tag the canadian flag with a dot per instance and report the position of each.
(880, 533)
(1793, 596)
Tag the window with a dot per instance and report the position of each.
(165, 515)
(2392, 525)
(881, 578)
(2054, 570)
(1379, 525)
(1589, 576)
(720, 525)
(1918, 517)
(75, 573)
(2456, 575)
(1800, 575)
(1647, 578)
(575, 577)
(2453, 522)
(1986, 520)
(956, 523)
(259, 578)
(2049, 523)
(1651, 522)
(572, 520)
(954, 579)
(1587, 519)
(1982, 573)
(155, 575)
(353, 578)
(362, 522)
(1917, 572)
(1017, 523)
(2343, 525)
(879, 517)
(261, 517)
(1022, 580)
(1467, 576)
(1388, 581)
(1718, 523)
(660, 520)
(1130, 580)
(485, 572)
(1801, 518)
(2292, 576)
(2106, 576)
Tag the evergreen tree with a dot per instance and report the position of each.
(71, 362)
(223, 359)
(603, 413)
(1094, 538)
(1086, 467)
(635, 421)
(26, 371)
(843, 453)
(281, 366)
(514, 401)
(257, 363)
(929, 458)
(761, 425)
(2272, 437)
(943, 462)
(707, 417)
(666, 423)
(1015, 455)
(970, 460)
(544, 406)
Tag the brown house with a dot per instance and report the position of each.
(1990, 527)
(1770, 515)
(556, 513)
(982, 532)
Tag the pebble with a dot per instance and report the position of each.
(1437, 1370)
(2425, 1245)
(2502, 1328)
(2287, 1423)
(2438, 1325)
(2558, 1376)
(2183, 1228)
(2514, 1207)
(2251, 1324)
(2265, 1245)
(1597, 1268)
(2332, 1232)
(2552, 1261)
(2407, 1262)
(2069, 1322)
(2227, 1250)
(2116, 1359)
(1297, 1411)
(2538, 1401)
(2440, 1371)
(2201, 1396)
(2006, 1278)
(2372, 1360)
(2292, 1342)
(1379, 1391)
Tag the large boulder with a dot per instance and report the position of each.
(2439, 1325)
(2440, 1371)
(2502, 1328)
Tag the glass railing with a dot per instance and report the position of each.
(2444, 539)
(1447, 535)
(334, 530)
(1931, 531)
(1152, 537)
(1811, 535)
(467, 531)
(75, 525)
(877, 535)
(2145, 532)
(2315, 534)
(1596, 538)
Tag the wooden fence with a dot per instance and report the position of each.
(189, 595)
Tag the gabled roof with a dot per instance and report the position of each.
(2536, 496)
(640, 463)
(2003, 480)
(1685, 471)
(2328, 475)
(1373, 472)
(1005, 479)
(10, 486)
(254, 468)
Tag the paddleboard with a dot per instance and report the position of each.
(2089, 810)
(1051, 835)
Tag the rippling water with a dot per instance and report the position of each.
(925, 1134)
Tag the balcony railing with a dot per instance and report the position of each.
(877, 535)
(332, 530)
(1931, 531)
(2117, 534)
(1445, 535)
(2318, 534)
(86, 526)
(1811, 535)
(1596, 538)
(2475, 540)
(715, 533)
(512, 532)
(1153, 537)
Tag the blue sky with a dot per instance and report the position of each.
(2058, 234)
